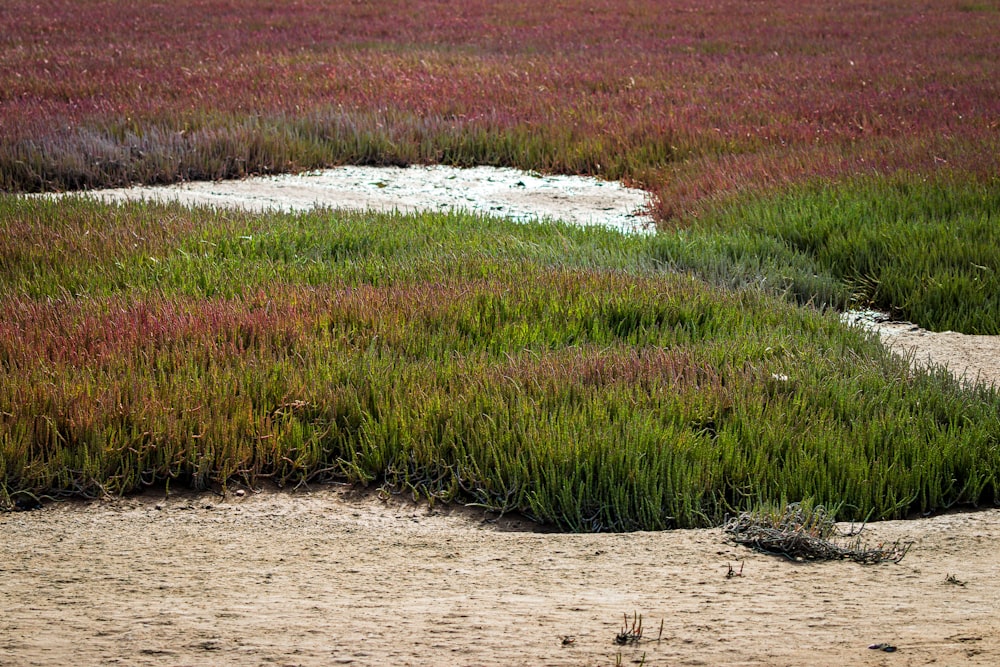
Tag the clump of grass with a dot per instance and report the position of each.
(923, 251)
(545, 369)
(631, 632)
(218, 146)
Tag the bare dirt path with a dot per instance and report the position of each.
(331, 577)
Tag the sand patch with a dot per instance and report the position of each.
(973, 359)
(509, 193)
(330, 577)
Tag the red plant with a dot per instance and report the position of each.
(687, 98)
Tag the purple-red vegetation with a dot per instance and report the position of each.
(690, 99)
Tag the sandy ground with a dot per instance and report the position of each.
(329, 577)
(333, 577)
(974, 359)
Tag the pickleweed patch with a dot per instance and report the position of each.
(694, 103)
(557, 371)
(926, 252)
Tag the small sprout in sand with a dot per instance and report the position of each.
(734, 573)
(631, 632)
(641, 661)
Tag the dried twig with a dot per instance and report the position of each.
(802, 533)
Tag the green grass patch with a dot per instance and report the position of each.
(927, 252)
(561, 372)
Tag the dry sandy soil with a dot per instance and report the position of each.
(974, 359)
(331, 576)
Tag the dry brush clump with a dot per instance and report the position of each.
(803, 532)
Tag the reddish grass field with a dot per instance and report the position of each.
(692, 100)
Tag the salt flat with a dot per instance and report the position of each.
(509, 193)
